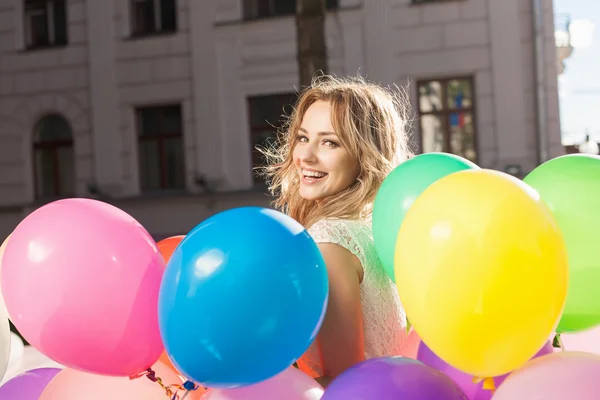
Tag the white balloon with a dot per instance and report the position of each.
(4, 341)
(17, 348)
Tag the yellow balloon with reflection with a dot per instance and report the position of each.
(481, 269)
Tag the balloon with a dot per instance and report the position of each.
(558, 376)
(242, 298)
(28, 385)
(570, 186)
(72, 384)
(290, 384)
(472, 390)
(17, 350)
(481, 270)
(81, 280)
(393, 378)
(399, 191)
(167, 246)
(587, 341)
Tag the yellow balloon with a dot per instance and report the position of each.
(481, 269)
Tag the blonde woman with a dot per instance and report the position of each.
(342, 139)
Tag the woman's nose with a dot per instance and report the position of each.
(307, 153)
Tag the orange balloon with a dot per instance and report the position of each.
(167, 246)
(164, 358)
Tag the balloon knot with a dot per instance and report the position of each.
(488, 383)
(189, 385)
(557, 342)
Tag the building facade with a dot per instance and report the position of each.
(156, 105)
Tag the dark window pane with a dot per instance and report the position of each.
(54, 157)
(45, 173)
(168, 14)
(66, 170)
(263, 8)
(144, 17)
(267, 113)
(36, 23)
(149, 157)
(161, 154)
(60, 22)
(45, 23)
(174, 164)
(52, 128)
(171, 121)
(285, 7)
(149, 120)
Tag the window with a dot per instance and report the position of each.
(255, 9)
(53, 158)
(45, 23)
(153, 16)
(447, 116)
(161, 148)
(266, 115)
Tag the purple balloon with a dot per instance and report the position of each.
(474, 391)
(393, 378)
(28, 385)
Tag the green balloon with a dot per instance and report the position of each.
(399, 191)
(570, 186)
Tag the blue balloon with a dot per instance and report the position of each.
(242, 298)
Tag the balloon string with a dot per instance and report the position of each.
(172, 391)
(488, 383)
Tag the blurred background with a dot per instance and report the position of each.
(156, 106)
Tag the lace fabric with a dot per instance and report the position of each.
(384, 318)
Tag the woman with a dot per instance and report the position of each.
(341, 141)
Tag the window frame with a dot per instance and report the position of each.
(30, 9)
(445, 113)
(51, 146)
(157, 29)
(160, 138)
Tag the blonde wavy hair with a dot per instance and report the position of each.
(371, 123)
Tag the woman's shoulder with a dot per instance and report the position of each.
(339, 227)
(353, 235)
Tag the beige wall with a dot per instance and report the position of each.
(216, 60)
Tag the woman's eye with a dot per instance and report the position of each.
(302, 139)
(330, 143)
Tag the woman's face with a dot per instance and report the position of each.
(324, 166)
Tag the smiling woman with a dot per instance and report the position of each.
(343, 138)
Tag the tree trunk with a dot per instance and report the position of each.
(312, 49)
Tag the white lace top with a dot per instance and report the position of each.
(384, 319)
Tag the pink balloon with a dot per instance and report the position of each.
(291, 384)
(80, 280)
(71, 384)
(557, 376)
